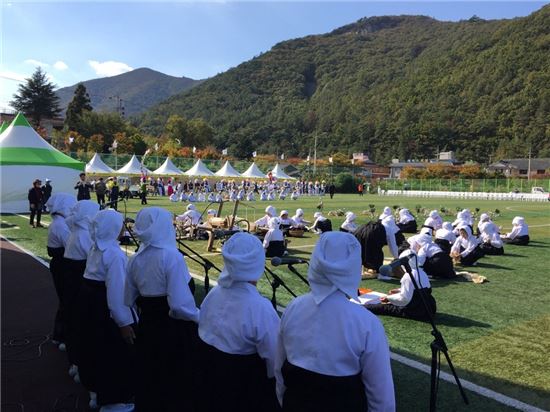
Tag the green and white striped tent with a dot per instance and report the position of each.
(26, 156)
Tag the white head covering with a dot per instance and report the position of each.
(82, 214)
(105, 228)
(426, 231)
(335, 265)
(212, 212)
(350, 217)
(385, 213)
(420, 239)
(244, 259)
(317, 215)
(483, 218)
(447, 226)
(61, 204)
(518, 220)
(154, 227)
(405, 212)
(467, 229)
(283, 212)
(434, 214)
(271, 211)
(274, 223)
(191, 206)
(299, 212)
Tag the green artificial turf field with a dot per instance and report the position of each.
(498, 333)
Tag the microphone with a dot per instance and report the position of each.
(387, 270)
(276, 261)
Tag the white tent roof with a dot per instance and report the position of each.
(279, 173)
(253, 172)
(133, 167)
(167, 168)
(199, 169)
(96, 165)
(227, 171)
(26, 156)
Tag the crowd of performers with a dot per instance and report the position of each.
(136, 340)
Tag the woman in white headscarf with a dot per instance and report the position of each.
(438, 264)
(385, 213)
(270, 212)
(106, 365)
(76, 253)
(349, 224)
(466, 247)
(394, 237)
(274, 243)
(520, 233)
(238, 331)
(159, 282)
(333, 355)
(407, 222)
(191, 216)
(491, 242)
(445, 237)
(298, 219)
(433, 221)
(483, 218)
(406, 301)
(460, 221)
(321, 224)
(59, 205)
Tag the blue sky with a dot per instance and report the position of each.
(78, 40)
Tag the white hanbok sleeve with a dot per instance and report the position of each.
(456, 246)
(267, 335)
(515, 231)
(376, 371)
(405, 292)
(392, 244)
(131, 292)
(280, 358)
(267, 238)
(471, 245)
(114, 281)
(180, 300)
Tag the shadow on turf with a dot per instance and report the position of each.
(454, 321)
(6, 225)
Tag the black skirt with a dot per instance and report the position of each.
(409, 227)
(519, 241)
(489, 249)
(444, 245)
(57, 264)
(415, 309)
(440, 265)
(166, 348)
(308, 391)
(72, 279)
(106, 362)
(471, 257)
(243, 382)
(275, 248)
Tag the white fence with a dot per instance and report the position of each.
(525, 197)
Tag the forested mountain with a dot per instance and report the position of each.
(395, 86)
(139, 90)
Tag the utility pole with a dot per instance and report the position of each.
(529, 165)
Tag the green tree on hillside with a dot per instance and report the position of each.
(81, 102)
(36, 98)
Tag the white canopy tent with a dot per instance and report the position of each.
(279, 173)
(96, 165)
(227, 171)
(253, 172)
(199, 169)
(133, 167)
(167, 168)
(26, 156)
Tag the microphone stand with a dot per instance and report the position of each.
(293, 270)
(437, 347)
(275, 282)
(205, 263)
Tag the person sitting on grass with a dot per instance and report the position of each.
(520, 233)
(433, 221)
(466, 250)
(491, 242)
(298, 219)
(445, 237)
(274, 243)
(438, 264)
(270, 212)
(321, 224)
(405, 301)
(407, 222)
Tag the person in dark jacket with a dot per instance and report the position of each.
(47, 190)
(36, 201)
(115, 190)
(83, 188)
(100, 189)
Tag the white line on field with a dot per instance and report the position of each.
(488, 393)
(27, 218)
(480, 390)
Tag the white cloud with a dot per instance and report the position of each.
(60, 65)
(16, 77)
(109, 68)
(34, 62)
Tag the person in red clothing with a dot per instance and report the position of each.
(36, 202)
(360, 188)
